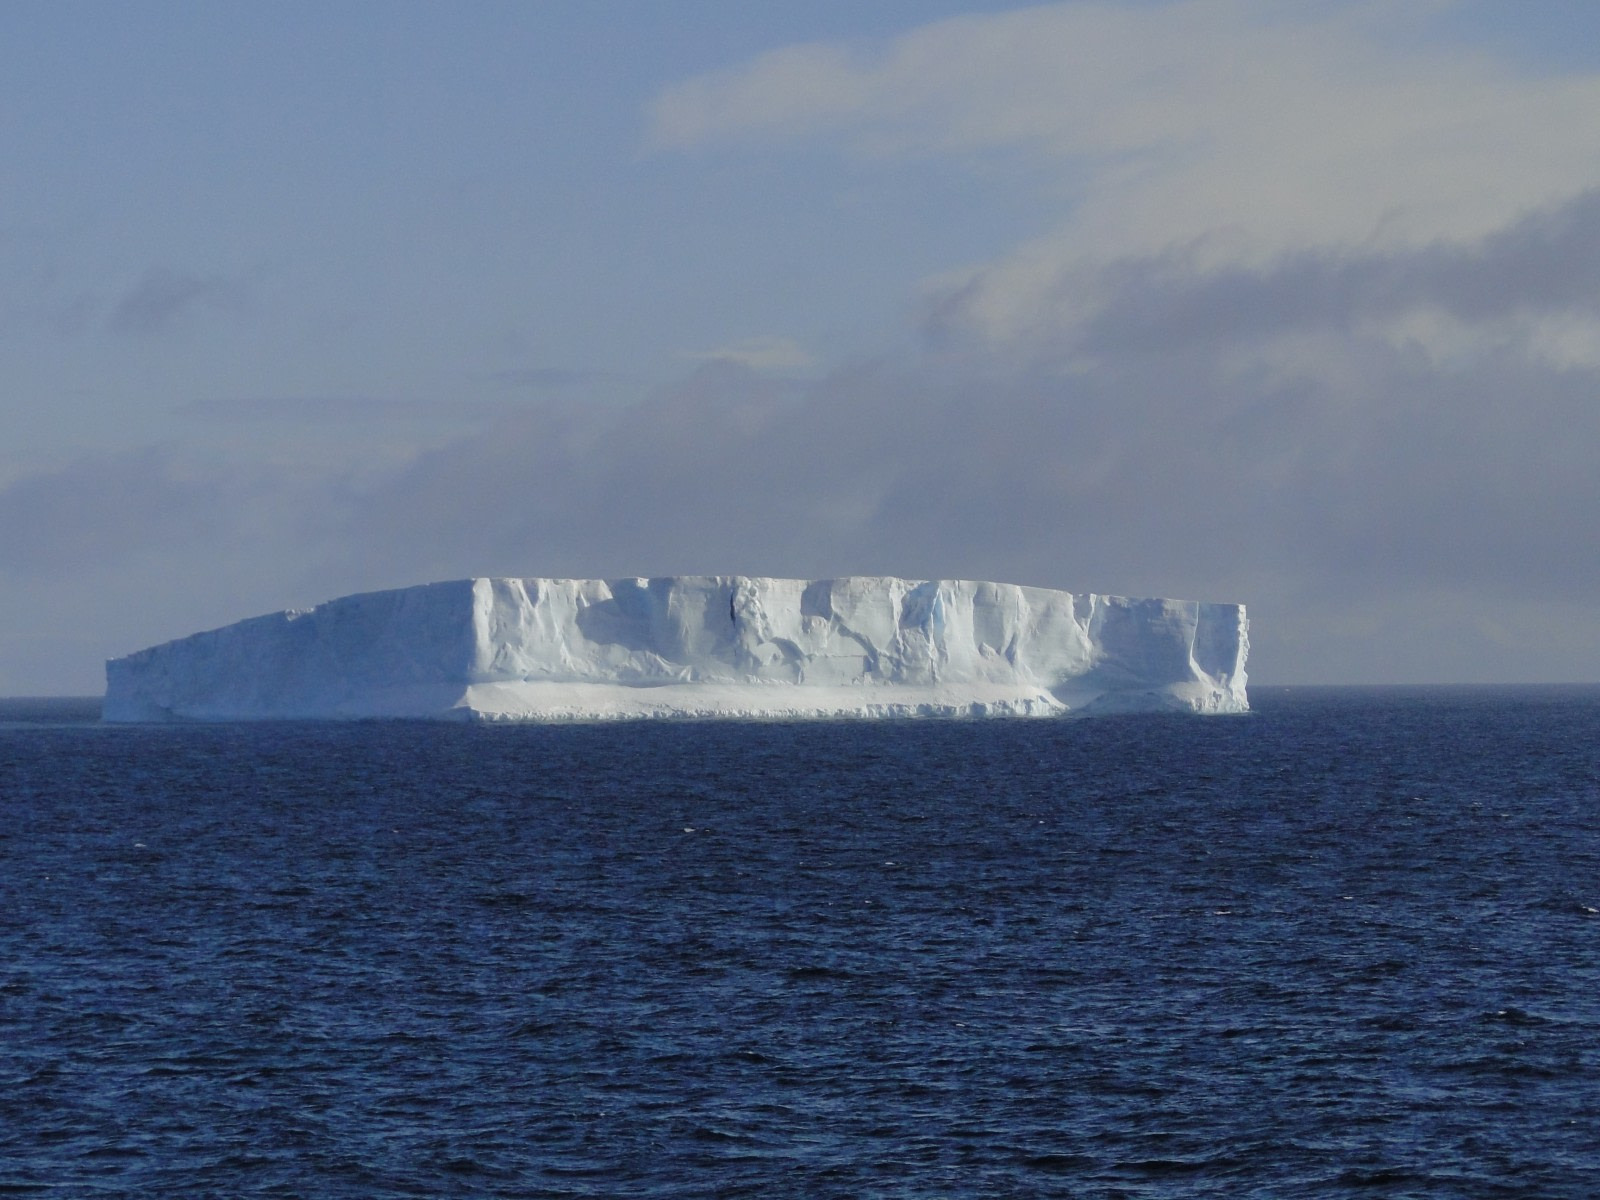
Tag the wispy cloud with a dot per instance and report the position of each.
(342, 409)
(759, 354)
(1235, 120)
(541, 378)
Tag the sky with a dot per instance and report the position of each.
(1295, 304)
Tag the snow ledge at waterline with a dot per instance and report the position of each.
(696, 646)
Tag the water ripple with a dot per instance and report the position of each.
(1341, 948)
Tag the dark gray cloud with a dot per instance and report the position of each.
(1547, 262)
(108, 510)
(1164, 478)
(163, 296)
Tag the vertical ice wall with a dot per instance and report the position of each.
(874, 643)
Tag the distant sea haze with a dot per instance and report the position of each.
(1342, 946)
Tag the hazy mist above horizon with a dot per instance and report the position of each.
(1289, 303)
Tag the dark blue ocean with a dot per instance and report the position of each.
(1344, 946)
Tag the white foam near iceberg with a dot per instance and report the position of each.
(696, 646)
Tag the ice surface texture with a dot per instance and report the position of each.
(697, 646)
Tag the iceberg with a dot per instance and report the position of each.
(696, 646)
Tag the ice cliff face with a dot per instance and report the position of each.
(550, 649)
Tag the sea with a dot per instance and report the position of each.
(1347, 945)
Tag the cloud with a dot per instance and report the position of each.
(106, 510)
(541, 378)
(110, 553)
(1238, 121)
(162, 297)
(1317, 322)
(322, 410)
(1511, 283)
(759, 353)
(1316, 330)
(1377, 509)
(1375, 446)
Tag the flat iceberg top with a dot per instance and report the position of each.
(699, 646)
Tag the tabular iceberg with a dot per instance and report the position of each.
(696, 646)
